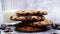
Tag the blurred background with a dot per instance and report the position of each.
(51, 6)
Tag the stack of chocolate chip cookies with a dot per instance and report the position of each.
(32, 20)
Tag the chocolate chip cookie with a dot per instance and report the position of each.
(25, 18)
(28, 29)
(41, 23)
(31, 12)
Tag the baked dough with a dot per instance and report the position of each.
(41, 23)
(25, 18)
(31, 12)
(28, 29)
(16, 18)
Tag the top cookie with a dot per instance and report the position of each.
(31, 12)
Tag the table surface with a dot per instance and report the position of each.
(45, 32)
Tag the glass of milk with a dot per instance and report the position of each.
(6, 16)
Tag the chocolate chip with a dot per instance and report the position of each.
(3, 26)
(0, 27)
(54, 33)
(8, 30)
(56, 26)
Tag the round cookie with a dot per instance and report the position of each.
(25, 18)
(41, 23)
(31, 12)
(28, 29)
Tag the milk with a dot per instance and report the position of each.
(7, 14)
